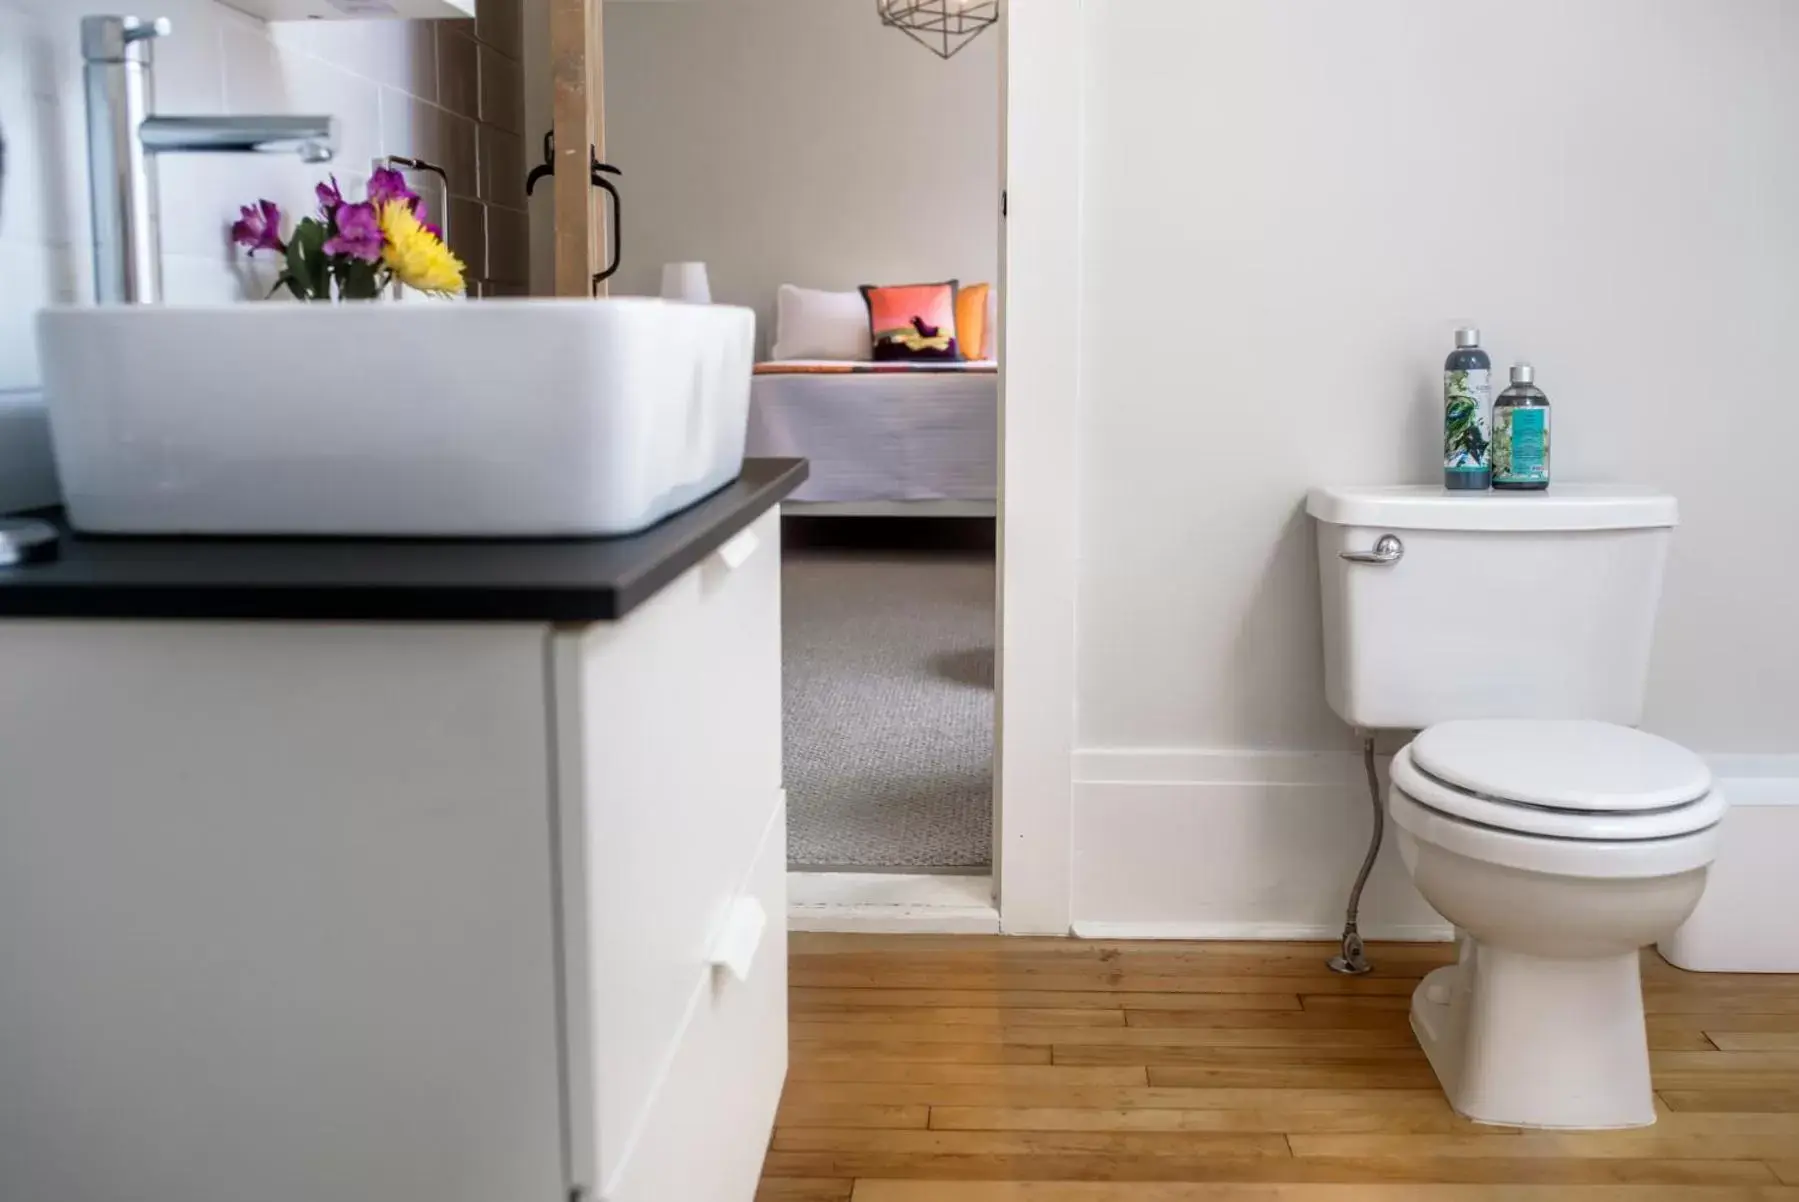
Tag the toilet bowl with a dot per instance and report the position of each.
(1558, 849)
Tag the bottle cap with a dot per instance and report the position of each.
(1523, 373)
(1467, 337)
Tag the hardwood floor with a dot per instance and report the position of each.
(983, 1069)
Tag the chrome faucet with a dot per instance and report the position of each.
(123, 139)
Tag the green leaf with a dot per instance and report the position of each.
(358, 281)
(306, 260)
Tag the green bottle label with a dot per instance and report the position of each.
(1467, 399)
(1521, 445)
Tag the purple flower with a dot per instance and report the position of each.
(258, 227)
(387, 184)
(358, 234)
(329, 197)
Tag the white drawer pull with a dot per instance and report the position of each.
(738, 550)
(735, 948)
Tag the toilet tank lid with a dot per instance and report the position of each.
(1431, 507)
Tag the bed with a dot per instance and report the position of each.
(885, 439)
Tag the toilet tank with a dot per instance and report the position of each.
(1489, 605)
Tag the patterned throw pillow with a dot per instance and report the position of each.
(914, 322)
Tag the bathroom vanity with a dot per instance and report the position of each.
(387, 869)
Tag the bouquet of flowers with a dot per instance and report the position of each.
(354, 250)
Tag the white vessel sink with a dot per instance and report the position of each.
(523, 418)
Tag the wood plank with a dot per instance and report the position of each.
(1644, 1143)
(578, 123)
(1006, 999)
(1754, 1041)
(1721, 1020)
(834, 1051)
(1280, 1118)
(969, 1016)
(1394, 1001)
(852, 1114)
(819, 1189)
(1077, 979)
(1316, 952)
(1166, 1055)
(1109, 1166)
(953, 971)
(1034, 1143)
(1741, 1123)
(1292, 1076)
(1747, 1062)
(965, 1074)
(1123, 1098)
(1081, 1191)
(1389, 1036)
(1730, 1100)
(1335, 1019)
(1699, 1000)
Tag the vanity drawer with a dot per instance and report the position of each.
(669, 767)
(708, 1127)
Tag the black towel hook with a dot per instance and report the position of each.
(599, 172)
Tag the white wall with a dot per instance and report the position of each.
(798, 141)
(379, 79)
(1288, 206)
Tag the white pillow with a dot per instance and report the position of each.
(810, 324)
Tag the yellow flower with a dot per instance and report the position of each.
(417, 257)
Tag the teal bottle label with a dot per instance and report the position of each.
(1521, 445)
(1467, 399)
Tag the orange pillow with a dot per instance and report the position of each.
(971, 321)
(912, 321)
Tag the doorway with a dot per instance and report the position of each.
(1040, 83)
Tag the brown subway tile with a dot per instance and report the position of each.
(468, 235)
(500, 24)
(502, 92)
(458, 73)
(502, 157)
(457, 154)
(508, 245)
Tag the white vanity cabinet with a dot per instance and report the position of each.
(396, 911)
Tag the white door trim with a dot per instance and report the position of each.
(1043, 76)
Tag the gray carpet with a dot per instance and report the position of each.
(889, 709)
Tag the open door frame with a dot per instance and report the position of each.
(577, 74)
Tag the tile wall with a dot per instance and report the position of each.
(449, 92)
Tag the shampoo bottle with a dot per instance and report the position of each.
(1521, 433)
(1467, 398)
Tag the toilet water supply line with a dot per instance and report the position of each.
(1353, 960)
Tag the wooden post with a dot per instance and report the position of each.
(576, 53)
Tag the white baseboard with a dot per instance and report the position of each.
(1744, 922)
(1196, 843)
(1193, 843)
(878, 903)
(1261, 932)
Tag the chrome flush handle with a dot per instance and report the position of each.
(1387, 550)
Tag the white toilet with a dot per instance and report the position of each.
(1514, 631)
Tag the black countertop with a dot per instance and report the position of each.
(387, 580)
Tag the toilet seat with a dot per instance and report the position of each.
(1564, 765)
(1560, 780)
(1588, 859)
(1544, 822)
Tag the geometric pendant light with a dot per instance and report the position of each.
(944, 26)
